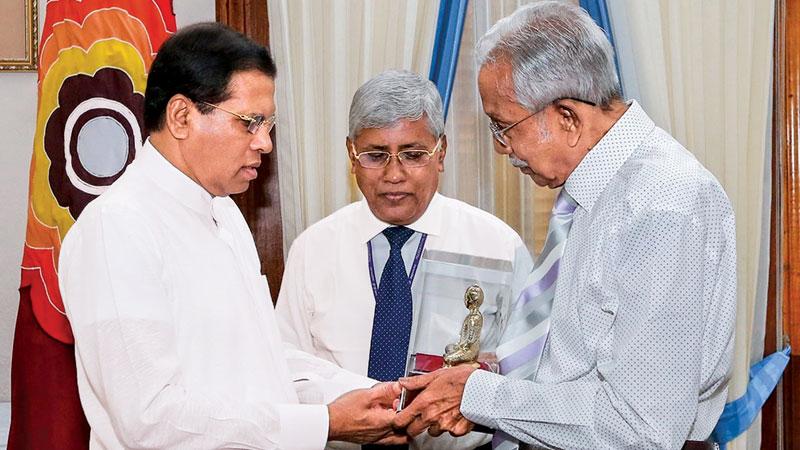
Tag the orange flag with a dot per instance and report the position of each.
(94, 59)
(93, 62)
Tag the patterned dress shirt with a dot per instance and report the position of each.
(641, 342)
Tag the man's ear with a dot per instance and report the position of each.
(570, 123)
(442, 153)
(348, 144)
(177, 116)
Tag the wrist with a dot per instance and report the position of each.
(334, 429)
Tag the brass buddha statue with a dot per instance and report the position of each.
(468, 346)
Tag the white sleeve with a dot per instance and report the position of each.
(318, 381)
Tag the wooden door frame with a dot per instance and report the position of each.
(261, 204)
(781, 418)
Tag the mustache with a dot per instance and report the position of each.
(516, 162)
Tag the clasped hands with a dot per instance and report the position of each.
(369, 415)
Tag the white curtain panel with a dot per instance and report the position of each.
(324, 50)
(702, 69)
(473, 172)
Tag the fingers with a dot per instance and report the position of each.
(381, 418)
(419, 424)
(456, 426)
(420, 413)
(377, 426)
(386, 394)
(434, 430)
(364, 416)
(418, 382)
(462, 427)
(429, 415)
(392, 389)
(436, 406)
(403, 419)
(396, 388)
(414, 419)
(394, 439)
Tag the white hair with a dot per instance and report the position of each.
(555, 50)
(392, 96)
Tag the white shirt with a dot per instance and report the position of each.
(326, 304)
(176, 342)
(641, 342)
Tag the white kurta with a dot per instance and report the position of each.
(326, 304)
(175, 335)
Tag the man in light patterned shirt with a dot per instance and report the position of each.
(639, 350)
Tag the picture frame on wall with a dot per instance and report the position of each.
(19, 35)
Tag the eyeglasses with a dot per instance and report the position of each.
(499, 134)
(378, 159)
(254, 123)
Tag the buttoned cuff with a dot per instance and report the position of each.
(477, 402)
(303, 427)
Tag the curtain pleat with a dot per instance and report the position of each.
(702, 70)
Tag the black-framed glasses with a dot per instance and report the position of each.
(378, 159)
(254, 122)
(499, 133)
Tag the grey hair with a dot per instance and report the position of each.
(555, 50)
(392, 96)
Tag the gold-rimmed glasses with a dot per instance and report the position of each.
(499, 133)
(253, 122)
(378, 159)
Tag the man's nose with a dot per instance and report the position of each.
(262, 141)
(394, 170)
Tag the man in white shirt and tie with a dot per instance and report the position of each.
(640, 259)
(176, 341)
(352, 289)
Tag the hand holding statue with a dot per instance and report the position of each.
(437, 405)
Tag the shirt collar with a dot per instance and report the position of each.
(177, 184)
(598, 167)
(368, 226)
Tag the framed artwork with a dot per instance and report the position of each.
(19, 35)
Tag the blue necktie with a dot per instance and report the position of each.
(391, 327)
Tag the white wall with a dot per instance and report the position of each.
(17, 116)
(191, 11)
(17, 120)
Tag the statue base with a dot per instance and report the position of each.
(422, 363)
